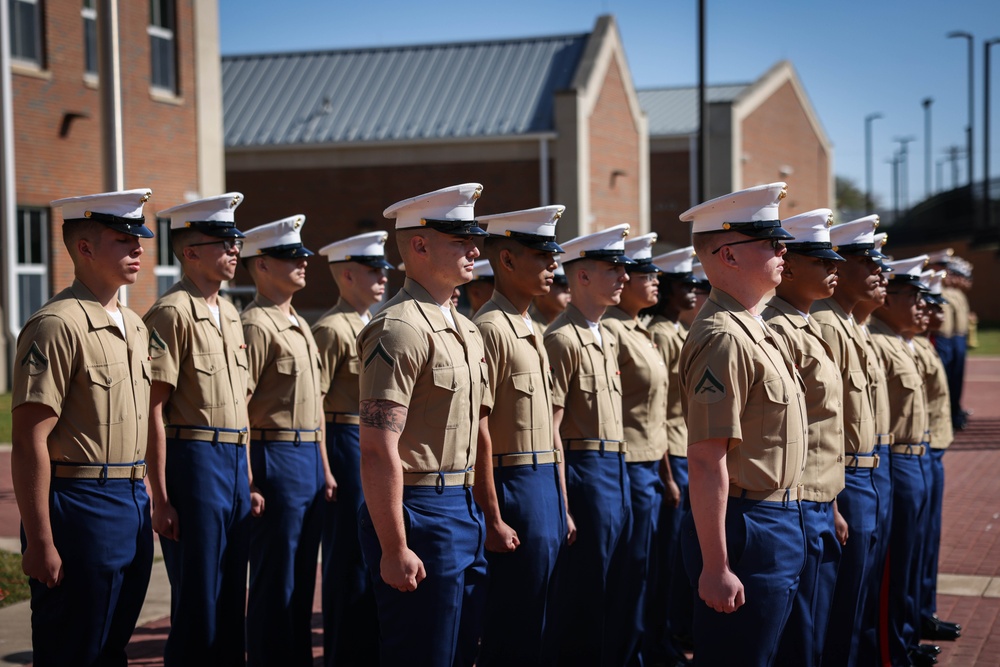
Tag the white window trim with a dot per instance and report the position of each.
(30, 64)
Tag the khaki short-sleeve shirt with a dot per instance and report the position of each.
(519, 379)
(936, 388)
(72, 358)
(956, 313)
(644, 381)
(878, 384)
(850, 354)
(336, 334)
(904, 382)
(823, 478)
(412, 356)
(205, 364)
(739, 383)
(284, 369)
(586, 382)
(669, 338)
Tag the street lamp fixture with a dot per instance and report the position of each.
(868, 159)
(987, 198)
(968, 131)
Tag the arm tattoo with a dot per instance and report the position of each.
(383, 415)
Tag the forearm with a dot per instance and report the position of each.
(708, 490)
(382, 471)
(557, 444)
(31, 473)
(485, 490)
(156, 450)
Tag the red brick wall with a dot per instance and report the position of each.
(670, 195)
(614, 148)
(160, 137)
(776, 134)
(341, 202)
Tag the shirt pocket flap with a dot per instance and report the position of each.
(209, 363)
(774, 389)
(107, 375)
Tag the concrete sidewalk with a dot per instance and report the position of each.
(969, 581)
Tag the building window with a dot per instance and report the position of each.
(89, 14)
(162, 44)
(168, 270)
(31, 270)
(26, 31)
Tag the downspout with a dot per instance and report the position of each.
(8, 201)
(109, 76)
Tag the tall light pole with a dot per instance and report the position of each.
(972, 116)
(903, 174)
(926, 103)
(868, 158)
(987, 199)
(894, 161)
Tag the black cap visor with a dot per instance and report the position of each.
(130, 226)
(643, 266)
(610, 256)
(374, 261)
(290, 251)
(815, 249)
(455, 227)
(759, 229)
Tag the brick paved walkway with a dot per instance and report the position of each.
(970, 544)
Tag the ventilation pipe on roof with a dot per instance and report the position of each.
(543, 171)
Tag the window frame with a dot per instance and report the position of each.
(37, 62)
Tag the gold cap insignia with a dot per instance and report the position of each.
(829, 221)
(87, 214)
(726, 226)
(145, 198)
(783, 194)
(477, 194)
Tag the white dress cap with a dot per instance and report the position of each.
(214, 216)
(281, 239)
(607, 245)
(640, 251)
(753, 212)
(934, 279)
(481, 270)
(122, 211)
(534, 227)
(812, 234)
(368, 249)
(449, 210)
(907, 271)
(698, 271)
(940, 256)
(856, 237)
(677, 261)
(559, 275)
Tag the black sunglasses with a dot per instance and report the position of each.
(227, 244)
(776, 244)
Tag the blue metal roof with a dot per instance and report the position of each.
(674, 111)
(423, 92)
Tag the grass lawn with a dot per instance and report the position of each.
(4, 417)
(989, 342)
(13, 583)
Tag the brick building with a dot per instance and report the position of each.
(171, 128)
(340, 135)
(760, 132)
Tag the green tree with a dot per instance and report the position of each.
(852, 198)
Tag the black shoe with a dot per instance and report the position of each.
(935, 628)
(930, 649)
(922, 658)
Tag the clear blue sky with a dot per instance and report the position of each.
(854, 57)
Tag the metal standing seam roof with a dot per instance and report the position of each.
(422, 92)
(674, 111)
